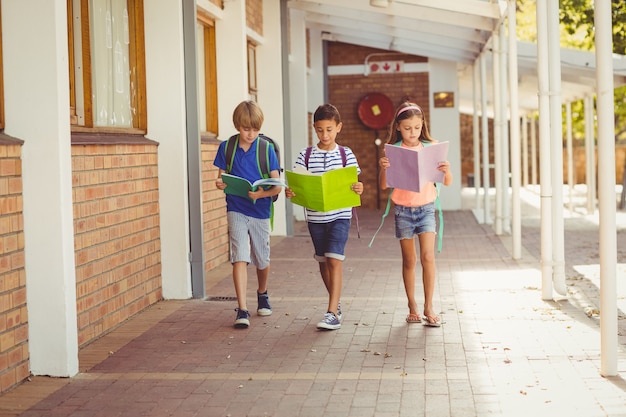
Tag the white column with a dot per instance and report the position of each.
(525, 150)
(485, 138)
(556, 140)
(442, 129)
(164, 61)
(590, 155)
(505, 170)
(270, 78)
(606, 189)
(544, 154)
(533, 150)
(36, 76)
(476, 130)
(300, 125)
(516, 215)
(570, 155)
(497, 131)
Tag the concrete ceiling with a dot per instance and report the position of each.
(453, 30)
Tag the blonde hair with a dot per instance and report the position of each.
(248, 114)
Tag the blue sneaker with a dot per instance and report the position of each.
(243, 319)
(264, 308)
(330, 322)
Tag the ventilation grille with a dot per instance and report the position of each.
(221, 298)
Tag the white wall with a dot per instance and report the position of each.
(36, 94)
(445, 125)
(270, 94)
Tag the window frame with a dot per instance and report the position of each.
(137, 68)
(210, 73)
(253, 91)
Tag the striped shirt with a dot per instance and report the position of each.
(321, 161)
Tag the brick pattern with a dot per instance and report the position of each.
(254, 15)
(14, 356)
(216, 247)
(345, 92)
(117, 234)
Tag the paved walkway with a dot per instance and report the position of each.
(501, 352)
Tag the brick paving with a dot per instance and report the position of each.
(502, 351)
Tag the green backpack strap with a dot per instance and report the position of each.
(382, 220)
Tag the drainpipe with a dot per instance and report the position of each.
(194, 163)
(284, 45)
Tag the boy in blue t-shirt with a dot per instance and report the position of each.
(248, 221)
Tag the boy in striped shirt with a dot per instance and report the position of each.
(329, 230)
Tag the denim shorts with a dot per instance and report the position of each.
(329, 239)
(411, 221)
(249, 239)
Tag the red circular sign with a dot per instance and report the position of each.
(376, 111)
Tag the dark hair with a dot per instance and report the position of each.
(406, 110)
(248, 114)
(327, 112)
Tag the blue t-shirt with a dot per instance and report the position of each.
(245, 165)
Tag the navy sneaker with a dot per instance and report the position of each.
(264, 308)
(330, 322)
(243, 319)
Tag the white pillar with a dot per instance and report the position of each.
(164, 59)
(590, 155)
(525, 150)
(300, 125)
(514, 120)
(497, 131)
(476, 130)
(505, 170)
(570, 155)
(485, 138)
(269, 76)
(37, 73)
(556, 140)
(606, 189)
(533, 150)
(544, 154)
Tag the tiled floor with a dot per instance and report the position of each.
(502, 351)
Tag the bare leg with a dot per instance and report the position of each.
(240, 278)
(335, 269)
(429, 273)
(262, 275)
(325, 274)
(409, 260)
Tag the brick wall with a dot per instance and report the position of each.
(345, 92)
(254, 15)
(213, 210)
(117, 235)
(14, 356)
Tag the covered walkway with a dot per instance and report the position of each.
(502, 350)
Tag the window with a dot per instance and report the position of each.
(207, 74)
(107, 64)
(252, 87)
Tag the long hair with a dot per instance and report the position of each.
(406, 110)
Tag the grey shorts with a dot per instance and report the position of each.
(249, 239)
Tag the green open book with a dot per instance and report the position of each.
(328, 191)
(240, 186)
